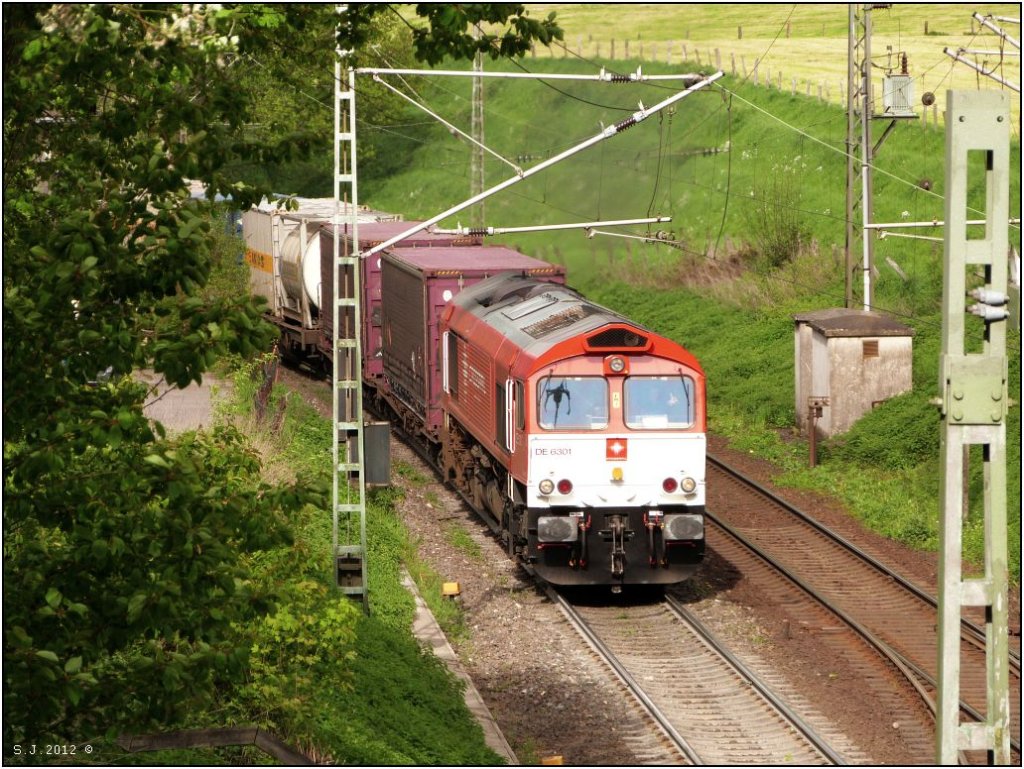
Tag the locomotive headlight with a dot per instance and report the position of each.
(617, 365)
(546, 486)
(689, 485)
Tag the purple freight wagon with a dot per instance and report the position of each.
(370, 235)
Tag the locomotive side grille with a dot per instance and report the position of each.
(560, 320)
(617, 339)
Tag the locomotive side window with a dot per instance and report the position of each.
(520, 406)
(572, 403)
(500, 421)
(451, 364)
(658, 402)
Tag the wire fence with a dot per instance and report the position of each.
(740, 64)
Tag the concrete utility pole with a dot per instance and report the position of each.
(974, 405)
(859, 154)
(476, 177)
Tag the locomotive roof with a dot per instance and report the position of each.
(534, 314)
(470, 259)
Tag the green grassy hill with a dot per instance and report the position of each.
(754, 180)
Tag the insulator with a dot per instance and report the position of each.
(476, 231)
(989, 296)
(987, 312)
(620, 79)
(627, 123)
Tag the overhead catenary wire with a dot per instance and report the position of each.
(623, 125)
(837, 150)
(448, 125)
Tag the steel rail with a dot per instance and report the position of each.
(974, 631)
(910, 671)
(624, 675)
(780, 705)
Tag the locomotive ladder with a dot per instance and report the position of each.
(348, 454)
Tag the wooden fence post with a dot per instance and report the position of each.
(733, 55)
(718, 59)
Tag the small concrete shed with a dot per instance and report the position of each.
(847, 362)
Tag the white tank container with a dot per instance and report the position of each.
(284, 270)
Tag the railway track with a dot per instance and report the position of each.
(711, 707)
(890, 613)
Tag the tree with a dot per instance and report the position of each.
(122, 548)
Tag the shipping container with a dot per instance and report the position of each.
(416, 285)
(370, 235)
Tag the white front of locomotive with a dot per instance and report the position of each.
(605, 470)
(616, 473)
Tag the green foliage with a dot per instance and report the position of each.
(449, 32)
(130, 574)
(356, 688)
(128, 548)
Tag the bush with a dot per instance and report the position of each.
(899, 434)
(775, 221)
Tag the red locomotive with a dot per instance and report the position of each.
(576, 433)
(581, 433)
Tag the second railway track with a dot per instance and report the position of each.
(898, 613)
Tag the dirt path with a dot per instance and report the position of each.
(181, 410)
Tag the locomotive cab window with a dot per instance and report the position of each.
(572, 403)
(658, 402)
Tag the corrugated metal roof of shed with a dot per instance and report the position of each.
(489, 259)
(843, 322)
